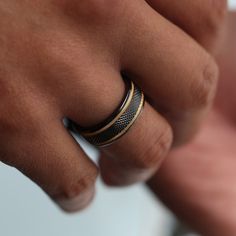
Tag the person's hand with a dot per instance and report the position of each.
(197, 182)
(64, 58)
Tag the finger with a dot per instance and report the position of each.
(44, 151)
(191, 175)
(206, 158)
(178, 76)
(202, 19)
(138, 153)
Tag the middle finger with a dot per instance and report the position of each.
(178, 76)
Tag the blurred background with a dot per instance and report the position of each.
(25, 210)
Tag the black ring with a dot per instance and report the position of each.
(120, 120)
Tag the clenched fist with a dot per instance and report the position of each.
(64, 58)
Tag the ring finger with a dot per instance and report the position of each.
(139, 152)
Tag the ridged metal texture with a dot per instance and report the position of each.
(122, 124)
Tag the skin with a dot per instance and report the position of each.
(205, 22)
(197, 182)
(63, 59)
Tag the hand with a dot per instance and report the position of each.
(197, 182)
(63, 58)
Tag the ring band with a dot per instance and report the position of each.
(119, 122)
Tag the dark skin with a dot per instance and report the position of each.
(64, 58)
(204, 21)
(197, 182)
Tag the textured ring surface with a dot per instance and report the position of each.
(108, 132)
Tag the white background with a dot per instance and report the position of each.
(26, 211)
(232, 4)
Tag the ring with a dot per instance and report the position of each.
(119, 122)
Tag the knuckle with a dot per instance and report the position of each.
(154, 153)
(71, 191)
(203, 92)
(208, 30)
(218, 12)
(213, 19)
